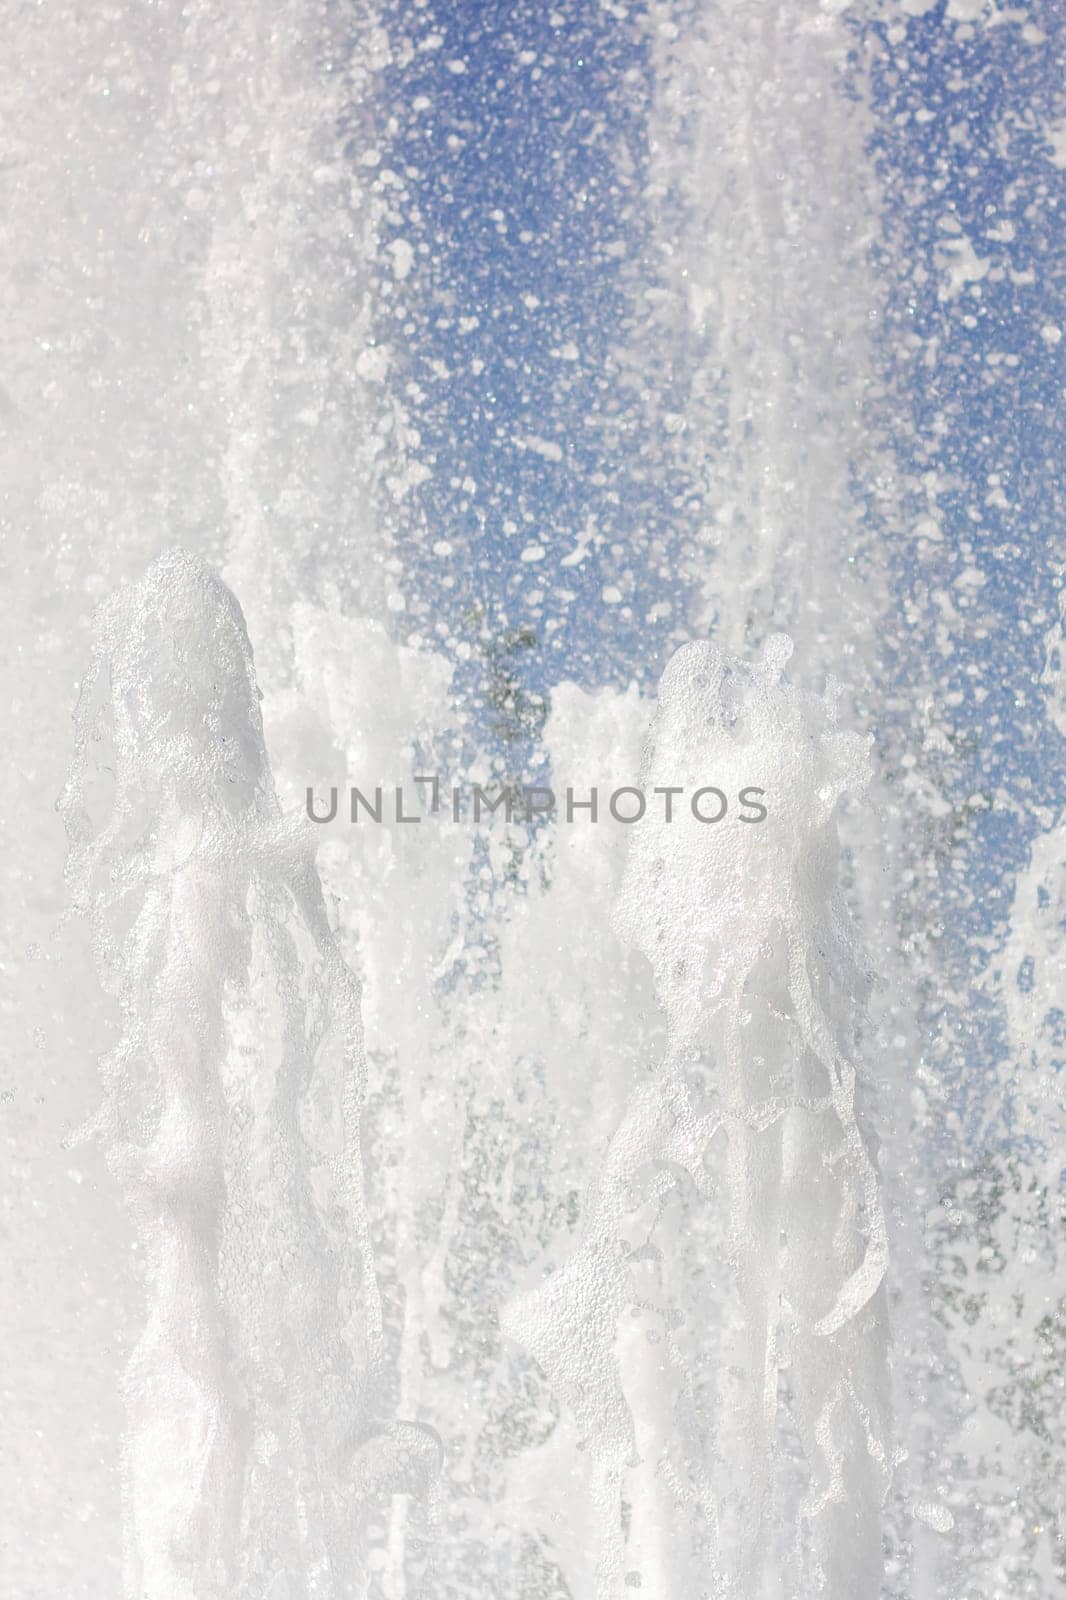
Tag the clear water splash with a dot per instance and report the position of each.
(256, 1449)
(753, 1133)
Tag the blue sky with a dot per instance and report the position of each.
(520, 143)
(534, 231)
(962, 142)
(962, 139)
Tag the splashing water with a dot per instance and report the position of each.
(753, 1118)
(232, 1120)
(615, 1230)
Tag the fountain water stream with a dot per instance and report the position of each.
(232, 1119)
(736, 1214)
(518, 1212)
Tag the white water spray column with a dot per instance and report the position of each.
(742, 1449)
(231, 1117)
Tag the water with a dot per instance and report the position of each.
(744, 1158)
(570, 397)
(231, 1117)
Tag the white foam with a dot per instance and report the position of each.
(231, 1116)
(750, 1136)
